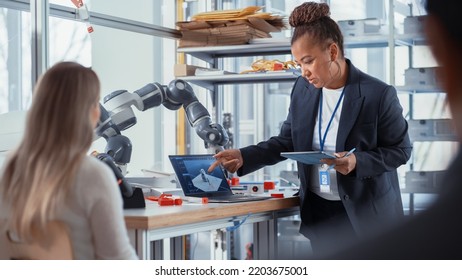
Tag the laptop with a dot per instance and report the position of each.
(192, 175)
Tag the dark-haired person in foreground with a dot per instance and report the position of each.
(434, 234)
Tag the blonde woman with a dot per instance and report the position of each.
(51, 177)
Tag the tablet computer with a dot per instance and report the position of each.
(309, 157)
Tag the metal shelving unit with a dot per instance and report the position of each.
(263, 47)
(272, 47)
(210, 81)
(425, 183)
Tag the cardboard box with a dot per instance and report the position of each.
(182, 70)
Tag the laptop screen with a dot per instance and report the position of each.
(191, 173)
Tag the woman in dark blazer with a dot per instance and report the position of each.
(335, 108)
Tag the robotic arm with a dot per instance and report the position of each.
(117, 115)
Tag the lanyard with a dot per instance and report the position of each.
(323, 139)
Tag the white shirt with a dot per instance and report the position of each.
(330, 98)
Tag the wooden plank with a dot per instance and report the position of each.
(155, 216)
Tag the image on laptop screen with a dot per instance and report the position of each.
(191, 172)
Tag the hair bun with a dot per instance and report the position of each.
(308, 12)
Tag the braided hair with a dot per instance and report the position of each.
(313, 19)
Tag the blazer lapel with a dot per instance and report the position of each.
(351, 107)
(311, 105)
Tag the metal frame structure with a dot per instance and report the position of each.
(41, 10)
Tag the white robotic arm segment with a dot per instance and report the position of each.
(117, 115)
(154, 94)
(118, 105)
(106, 127)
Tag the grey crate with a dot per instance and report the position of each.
(414, 25)
(432, 130)
(359, 27)
(421, 77)
(423, 181)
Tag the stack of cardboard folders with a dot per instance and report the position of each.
(228, 27)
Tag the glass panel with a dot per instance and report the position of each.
(15, 60)
(348, 9)
(69, 40)
(67, 3)
(132, 10)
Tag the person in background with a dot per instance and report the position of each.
(50, 176)
(435, 233)
(335, 108)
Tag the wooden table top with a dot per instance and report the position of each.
(155, 216)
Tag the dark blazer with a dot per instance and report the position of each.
(371, 121)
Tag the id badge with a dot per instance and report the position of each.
(324, 178)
